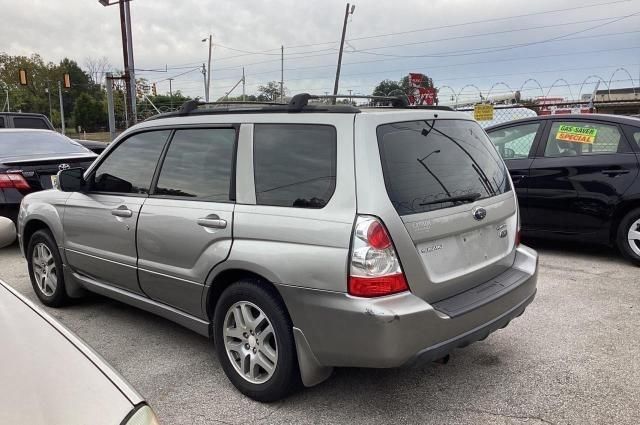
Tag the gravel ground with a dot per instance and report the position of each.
(573, 357)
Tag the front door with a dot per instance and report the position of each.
(100, 223)
(185, 226)
(600, 166)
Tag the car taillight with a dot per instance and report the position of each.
(13, 181)
(374, 269)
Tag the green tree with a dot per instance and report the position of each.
(270, 92)
(388, 88)
(89, 113)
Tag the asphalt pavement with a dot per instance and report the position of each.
(572, 358)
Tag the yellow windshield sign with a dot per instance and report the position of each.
(572, 133)
(483, 112)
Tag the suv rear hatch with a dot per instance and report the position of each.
(452, 193)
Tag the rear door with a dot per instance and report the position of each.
(185, 226)
(517, 145)
(453, 213)
(100, 223)
(585, 167)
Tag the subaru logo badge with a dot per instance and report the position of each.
(63, 167)
(479, 213)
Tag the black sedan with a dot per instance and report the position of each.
(576, 176)
(30, 161)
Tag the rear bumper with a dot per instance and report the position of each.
(401, 329)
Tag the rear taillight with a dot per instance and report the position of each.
(374, 269)
(13, 181)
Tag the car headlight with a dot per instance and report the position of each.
(143, 416)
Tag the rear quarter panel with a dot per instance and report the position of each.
(295, 246)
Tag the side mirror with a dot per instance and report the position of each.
(71, 180)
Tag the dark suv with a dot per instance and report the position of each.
(576, 176)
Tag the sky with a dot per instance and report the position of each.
(468, 47)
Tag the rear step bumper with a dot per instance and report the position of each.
(441, 350)
(341, 330)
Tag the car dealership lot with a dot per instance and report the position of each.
(571, 358)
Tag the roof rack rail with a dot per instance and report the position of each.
(299, 101)
(191, 105)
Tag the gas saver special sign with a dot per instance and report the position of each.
(572, 133)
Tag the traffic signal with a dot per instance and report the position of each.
(22, 75)
(154, 90)
(67, 81)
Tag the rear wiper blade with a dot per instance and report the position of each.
(462, 198)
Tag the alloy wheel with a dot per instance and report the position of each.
(44, 269)
(250, 342)
(633, 236)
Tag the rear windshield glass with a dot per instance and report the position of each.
(30, 122)
(17, 143)
(434, 164)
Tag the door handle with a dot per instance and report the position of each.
(212, 222)
(518, 177)
(612, 173)
(122, 211)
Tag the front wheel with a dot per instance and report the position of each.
(628, 236)
(254, 341)
(45, 269)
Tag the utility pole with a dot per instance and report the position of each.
(204, 78)
(170, 94)
(282, 74)
(243, 85)
(110, 105)
(132, 74)
(125, 55)
(209, 69)
(61, 106)
(49, 94)
(348, 11)
(350, 100)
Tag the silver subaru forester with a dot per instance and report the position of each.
(300, 237)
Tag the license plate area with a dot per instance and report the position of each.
(457, 255)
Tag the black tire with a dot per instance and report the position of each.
(58, 297)
(622, 241)
(286, 377)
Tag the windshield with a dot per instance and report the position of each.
(22, 143)
(434, 164)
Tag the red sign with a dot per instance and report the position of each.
(422, 96)
(415, 80)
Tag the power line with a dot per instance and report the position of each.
(383, 60)
(456, 65)
(495, 49)
(582, 7)
(462, 37)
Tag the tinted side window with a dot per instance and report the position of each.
(294, 165)
(199, 164)
(582, 138)
(1, 122)
(26, 122)
(130, 166)
(514, 142)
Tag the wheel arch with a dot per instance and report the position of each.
(222, 279)
(30, 227)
